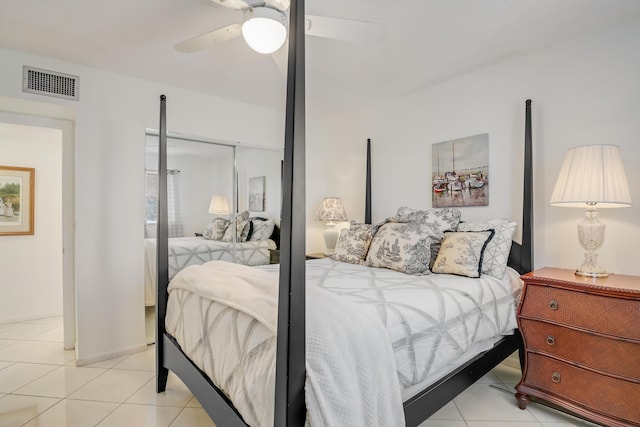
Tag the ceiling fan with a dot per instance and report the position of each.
(264, 27)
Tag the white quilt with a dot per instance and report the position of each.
(432, 323)
(345, 385)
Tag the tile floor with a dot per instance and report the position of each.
(41, 386)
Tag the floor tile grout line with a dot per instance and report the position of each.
(40, 413)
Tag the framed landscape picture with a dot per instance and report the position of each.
(460, 172)
(16, 200)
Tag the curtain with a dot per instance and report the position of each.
(173, 204)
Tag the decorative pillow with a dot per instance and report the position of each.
(216, 229)
(401, 246)
(242, 228)
(438, 220)
(496, 255)
(461, 253)
(262, 230)
(353, 243)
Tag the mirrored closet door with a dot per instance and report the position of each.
(223, 204)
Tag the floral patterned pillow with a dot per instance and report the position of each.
(496, 255)
(242, 228)
(461, 253)
(353, 243)
(438, 220)
(402, 246)
(216, 229)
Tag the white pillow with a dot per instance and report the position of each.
(262, 230)
(496, 255)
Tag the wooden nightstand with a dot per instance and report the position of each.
(317, 255)
(582, 342)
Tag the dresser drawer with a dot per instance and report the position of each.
(597, 393)
(608, 355)
(615, 316)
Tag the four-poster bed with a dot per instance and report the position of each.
(290, 366)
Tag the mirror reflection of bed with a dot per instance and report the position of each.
(224, 204)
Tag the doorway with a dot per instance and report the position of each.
(42, 264)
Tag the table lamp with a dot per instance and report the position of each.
(331, 210)
(219, 205)
(591, 177)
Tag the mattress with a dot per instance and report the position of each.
(184, 251)
(433, 323)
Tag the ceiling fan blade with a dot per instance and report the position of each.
(207, 40)
(345, 29)
(233, 4)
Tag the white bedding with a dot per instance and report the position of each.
(184, 251)
(430, 322)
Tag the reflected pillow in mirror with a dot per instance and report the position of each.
(262, 230)
(216, 229)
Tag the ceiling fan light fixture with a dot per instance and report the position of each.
(264, 29)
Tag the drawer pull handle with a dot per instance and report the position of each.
(553, 305)
(551, 340)
(555, 377)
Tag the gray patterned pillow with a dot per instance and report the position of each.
(353, 243)
(216, 229)
(242, 229)
(496, 255)
(438, 220)
(461, 253)
(262, 230)
(402, 246)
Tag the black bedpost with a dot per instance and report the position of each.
(367, 202)
(290, 363)
(162, 249)
(527, 204)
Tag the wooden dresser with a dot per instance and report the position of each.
(582, 342)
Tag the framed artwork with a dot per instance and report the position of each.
(256, 194)
(460, 172)
(16, 200)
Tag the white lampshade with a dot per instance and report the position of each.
(264, 29)
(592, 174)
(591, 177)
(219, 205)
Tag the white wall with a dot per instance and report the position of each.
(111, 117)
(29, 292)
(583, 92)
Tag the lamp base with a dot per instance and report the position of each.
(591, 236)
(330, 240)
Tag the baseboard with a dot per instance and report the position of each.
(111, 355)
(27, 318)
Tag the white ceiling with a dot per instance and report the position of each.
(427, 41)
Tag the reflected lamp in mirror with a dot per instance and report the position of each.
(591, 177)
(219, 205)
(331, 210)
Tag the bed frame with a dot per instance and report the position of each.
(290, 357)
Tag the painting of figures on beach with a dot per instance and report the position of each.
(460, 172)
(16, 200)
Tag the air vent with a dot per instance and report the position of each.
(50, 83)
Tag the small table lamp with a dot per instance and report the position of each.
(219, 205)
(592, 176)
(331, 209)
